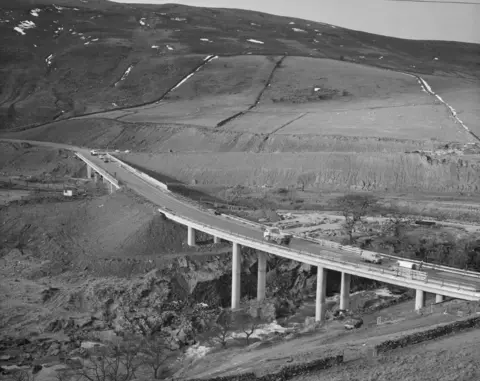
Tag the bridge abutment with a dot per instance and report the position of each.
(419, 299)
(236, 272)
(262, 276)
(191, 236)
(345, 291)
(320, 306)
(439, 298)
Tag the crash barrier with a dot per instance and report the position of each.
(286, 372)
(454, 289)
(144, 176)
(429, 334)
(101, 171)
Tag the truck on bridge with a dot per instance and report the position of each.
(274, 234)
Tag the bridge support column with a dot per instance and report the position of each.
(236, 271)
(110, 187)
(345, 292)
(320, 306)
(191, 236)
(439, 298)
(262, 276)
(89, 172)
(419, 300)
(95, 176)
(216, 239)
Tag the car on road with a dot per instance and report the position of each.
(94, 152)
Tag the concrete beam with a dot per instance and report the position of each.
(89, 172)
(345, 292)
(262, 276)
(320, 306)
(439, 298)
(236, 272)
(216, 239)
(191, 236)
(419, 299)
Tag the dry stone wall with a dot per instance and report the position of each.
(286, 373)
(429, 334)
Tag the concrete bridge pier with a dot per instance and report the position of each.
(216, 239)
(95, 176)
(110, 187)
(419, 299)
(236, 272)
(191, 236)
(439, 298)
(320, 306)
(262, 276)
(89, 172)
(345, 292)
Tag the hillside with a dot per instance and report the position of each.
(74, 57)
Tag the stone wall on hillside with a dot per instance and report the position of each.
(286, 373)
(429, 334)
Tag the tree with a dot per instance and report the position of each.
(354, 207)
(253, 314)
(115, 363)
(223, 325)
(155, 351)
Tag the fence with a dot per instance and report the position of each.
(138, 173)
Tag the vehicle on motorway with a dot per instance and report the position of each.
(94, 152)
(277, 236)
(407, 265)
(214, 211)
(370, 257)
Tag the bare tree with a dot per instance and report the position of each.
(253, 315)
(354, 207)
(115, 363)
(155, 351)
(223, 326)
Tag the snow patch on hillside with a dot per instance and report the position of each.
(23, 26)
(155, 47)
(255, 41)
(58, 8)
(298, 30)
(426, 87)
(178, 19)
(205, 40)
(206, 60)
(291, 23)
(142, 21)
(125, 75)
(169, 47)
(35, 12)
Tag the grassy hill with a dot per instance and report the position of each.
(69, 56)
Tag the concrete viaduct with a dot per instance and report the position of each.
(441, 289)
(99, 173)
(450, 282)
